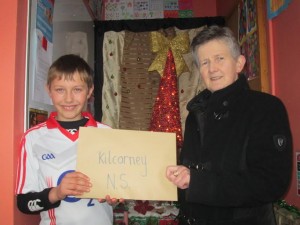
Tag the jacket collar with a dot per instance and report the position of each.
(221, 98)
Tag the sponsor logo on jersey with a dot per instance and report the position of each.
(48, 156)
(72, 131)
(33, 205)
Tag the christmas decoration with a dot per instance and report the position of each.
(290, 208)
(161, 45)
(142, 207)
(286, 214)
(166, 114)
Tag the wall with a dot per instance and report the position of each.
(71, 16)
(203, 8)
(8, 35)
(284, 29)
(226, 8)
(12, 50)
(60, 30)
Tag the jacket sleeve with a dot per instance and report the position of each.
(35, 202)
(266, 174)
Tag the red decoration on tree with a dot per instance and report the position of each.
(166, 114)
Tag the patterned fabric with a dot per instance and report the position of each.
(111, 93)
(139, 87)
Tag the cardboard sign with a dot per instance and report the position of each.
(127, 164)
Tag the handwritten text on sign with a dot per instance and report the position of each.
(127, 164)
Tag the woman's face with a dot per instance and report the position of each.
(218, 68)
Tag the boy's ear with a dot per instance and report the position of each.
(47, 88)
(90, 92)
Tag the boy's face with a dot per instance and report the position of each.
(69, 97)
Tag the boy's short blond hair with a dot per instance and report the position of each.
(66, 66)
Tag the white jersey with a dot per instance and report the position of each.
(48, 152)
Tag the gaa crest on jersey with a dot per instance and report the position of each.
(279, 142)
(48, 156)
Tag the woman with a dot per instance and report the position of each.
(237, 152)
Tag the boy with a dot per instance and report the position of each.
(46, 180)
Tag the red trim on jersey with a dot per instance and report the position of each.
(51, 212)
(36, 127)
(52, 123)
(22, 161)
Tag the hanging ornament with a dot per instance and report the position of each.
(166, 114)
(161, 45)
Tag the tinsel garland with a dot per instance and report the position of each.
(290, 208)
(280, 203)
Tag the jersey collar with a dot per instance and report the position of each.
(52, 124)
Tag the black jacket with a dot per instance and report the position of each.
(238, 145)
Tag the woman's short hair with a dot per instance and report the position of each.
(215, 33)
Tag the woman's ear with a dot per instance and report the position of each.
(240, 63)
